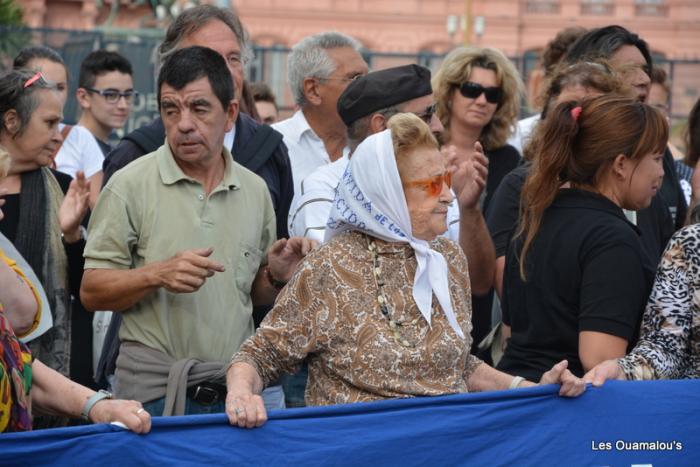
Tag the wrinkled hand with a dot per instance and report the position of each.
(188, 270)
(571, 386)
(469, 173)
(74, 207)
(130, 413)
(609, 369)
(285, 254)
(247, 410)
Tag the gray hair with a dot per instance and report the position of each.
(14, 96)
(308, 59)
(192, 19)
(358, 130)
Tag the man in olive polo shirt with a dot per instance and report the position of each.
(181, 242)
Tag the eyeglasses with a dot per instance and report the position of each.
(474, 90)
(432, 185)
(427, 114)
(112, 96)
(346, 80)
(33, 80)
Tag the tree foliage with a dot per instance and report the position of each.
(10, 13)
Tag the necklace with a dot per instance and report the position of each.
(394, 325)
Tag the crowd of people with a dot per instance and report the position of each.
(402, 234)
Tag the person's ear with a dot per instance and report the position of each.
(621, 167)
(81, 95)
(231, 114)
(12, 122)
(311, 90)
(377, 123)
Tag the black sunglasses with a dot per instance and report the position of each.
(474, 90)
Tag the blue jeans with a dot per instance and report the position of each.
(272, 396)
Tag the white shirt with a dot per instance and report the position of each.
(310, 209)
(79, 151)
(523, 132)
(306, 150)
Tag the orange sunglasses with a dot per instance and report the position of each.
(433, 185)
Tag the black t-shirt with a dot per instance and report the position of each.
(655, 222)
(501, 162)
(586, 271)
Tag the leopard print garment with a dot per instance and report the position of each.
(329, 314)
(669, 346)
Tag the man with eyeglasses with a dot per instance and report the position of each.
(105, 94)
(256, 147)
(320, 68)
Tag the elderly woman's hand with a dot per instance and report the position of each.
(130, 413)
(469, 173)
(74, 207)
(245, 409)
(571, 386)
(609, 369)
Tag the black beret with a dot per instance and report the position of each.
(381, 89)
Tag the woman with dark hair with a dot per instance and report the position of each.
(42, 223)
(567, 82)
(628, 52)
(576, 276)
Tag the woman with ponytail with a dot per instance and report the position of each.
(576, 277)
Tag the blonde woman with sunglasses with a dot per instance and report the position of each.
(376, 311)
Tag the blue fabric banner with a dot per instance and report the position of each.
(622, 424)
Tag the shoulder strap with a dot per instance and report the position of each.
(259, 148)
(147, 138)
(64, 134)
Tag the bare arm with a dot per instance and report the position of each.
(486, 378)
(19, 302)
(54, 394)
(120, 289)
(475, 240)
(283, 257)
(498, 280)
(95, 187)
(469, 173)
(596, 347)
(244, 406)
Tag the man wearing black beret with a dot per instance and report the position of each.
(365, 106)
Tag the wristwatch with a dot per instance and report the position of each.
(94, 399)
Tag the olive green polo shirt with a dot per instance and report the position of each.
(150, 211)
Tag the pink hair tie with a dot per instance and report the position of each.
(576, 112)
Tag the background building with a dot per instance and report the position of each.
(393, 32)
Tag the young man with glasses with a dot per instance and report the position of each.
(105, 94)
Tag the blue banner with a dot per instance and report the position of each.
(622, 424)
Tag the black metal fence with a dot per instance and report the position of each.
(269, 65)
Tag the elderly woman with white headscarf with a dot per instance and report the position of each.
(383, 309)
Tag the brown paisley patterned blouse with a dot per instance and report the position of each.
(329, 315)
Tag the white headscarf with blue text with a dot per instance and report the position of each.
(370, 198)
